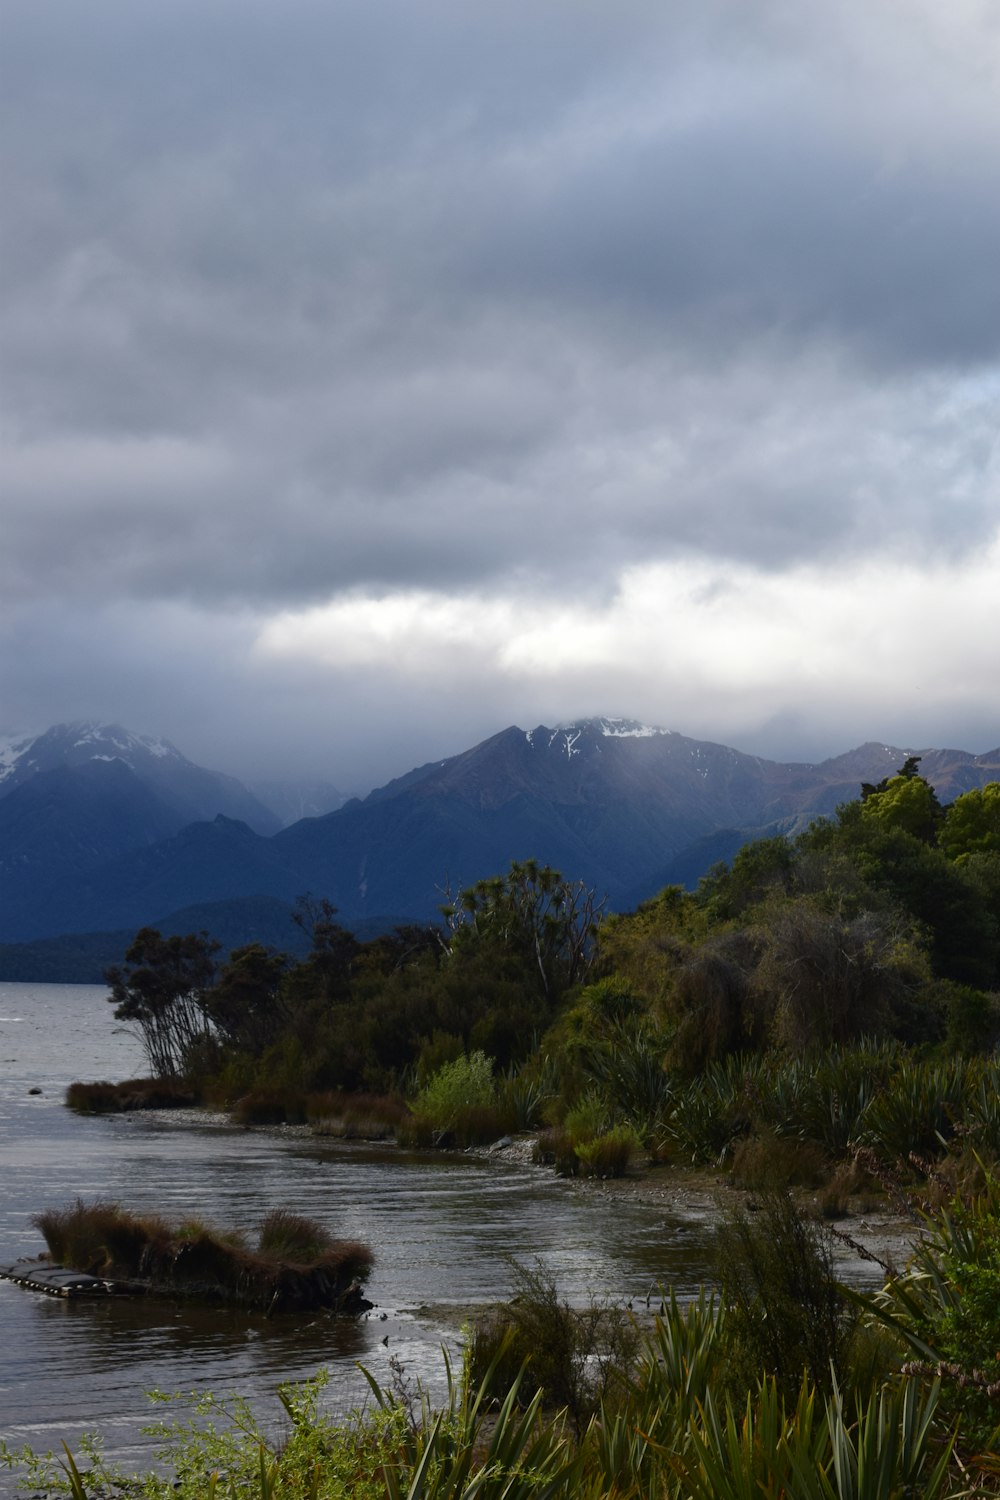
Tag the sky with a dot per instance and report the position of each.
(380, 373)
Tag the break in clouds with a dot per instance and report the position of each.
(449, 365)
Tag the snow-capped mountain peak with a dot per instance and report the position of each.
(79, 748)
(12, 748)
(629, 729)
(75, 744)
(586, 734)
(102, 738)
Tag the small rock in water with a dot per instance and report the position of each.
(35, 1090)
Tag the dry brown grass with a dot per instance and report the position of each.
(105, 1098)
(356, 1117)
(296, 1263)
(775, 1161)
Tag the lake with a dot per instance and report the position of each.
(443, 1228)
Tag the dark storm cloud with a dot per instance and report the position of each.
(302, 298)
(494, 305)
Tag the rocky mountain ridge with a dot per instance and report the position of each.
(94, 843)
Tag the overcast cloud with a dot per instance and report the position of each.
(378, 374)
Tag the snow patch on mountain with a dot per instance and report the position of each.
(123, 740)
(12, 748)
(630, 729)
(611, 729)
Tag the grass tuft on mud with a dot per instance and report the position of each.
(296, 1264)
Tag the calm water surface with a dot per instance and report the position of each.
(442, 1229)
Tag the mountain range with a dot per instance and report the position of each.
(103, 830)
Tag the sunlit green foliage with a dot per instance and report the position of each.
(946, 1309)
(972, 823)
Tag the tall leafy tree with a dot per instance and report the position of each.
(533, 913)
(161, 990)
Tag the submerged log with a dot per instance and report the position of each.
(42, 1275)
(294, 1290)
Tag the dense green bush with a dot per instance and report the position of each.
(459, 1106)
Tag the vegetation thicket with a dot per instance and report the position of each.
(824, 1012)
(823, 994)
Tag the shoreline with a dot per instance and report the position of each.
(871, 1231)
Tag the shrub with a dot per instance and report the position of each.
(776, 1161)
(220, 1450)
(459, 1106)
(265, 1106)
(785, 1314)
(576, 1357)
(610, 1154)
(946, 1308)
(457, 1084)
(135, 1093)
(973, 1019)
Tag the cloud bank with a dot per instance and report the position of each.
(378, 375)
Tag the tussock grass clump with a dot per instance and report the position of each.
(292, 1237)
(98, 1237)
(556, 1147)
(468, 1125)
(769, 1161)
(356, 1117)
(296, 1263)
(577, 1357)
(847, 1181)
(609, 1154)
(106, 1098)
(265, 1106)
(786, 1316)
